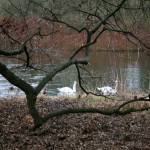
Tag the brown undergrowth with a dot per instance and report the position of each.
(65, 38)
(73, 131)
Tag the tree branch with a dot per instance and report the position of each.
(134, 100)
(55, 19)
(22, 46)
(83, 89)
(59, 68)
(87, 44)
(20, 50)
(131, 34)
(108, 112)
(106, 18)
(15, 80)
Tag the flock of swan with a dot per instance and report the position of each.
(106, 90)
(67, 91)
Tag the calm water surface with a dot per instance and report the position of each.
(132, 69)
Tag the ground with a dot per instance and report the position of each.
(74, 131)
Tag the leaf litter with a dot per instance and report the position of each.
(74, 131)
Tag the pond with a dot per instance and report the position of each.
(132, 69)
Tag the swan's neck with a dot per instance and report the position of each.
(116, 86)
(74, 86)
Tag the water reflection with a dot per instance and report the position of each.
(131, 68)
(133, 77)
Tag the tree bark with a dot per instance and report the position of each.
(31, 100)
(108, 111)
(30, 92)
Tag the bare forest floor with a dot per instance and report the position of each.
(74, 131)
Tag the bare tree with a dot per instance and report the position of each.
(24, 41)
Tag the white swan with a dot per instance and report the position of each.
(107, 90)
(68, 90)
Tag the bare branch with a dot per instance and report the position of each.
(131, 34)
(59, 68)
(134, 100)
(20, 50)
(109, 112)
(83, 89)
(15, 80)
(87, 44)
(107, 17)
(90, 73)
(22, 46)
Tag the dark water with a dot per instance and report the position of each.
(132, 69)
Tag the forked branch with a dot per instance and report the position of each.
(108, 111)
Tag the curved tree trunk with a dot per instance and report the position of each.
(31, 100)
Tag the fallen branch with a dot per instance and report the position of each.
(108, 111)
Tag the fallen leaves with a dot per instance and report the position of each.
(73, 131)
